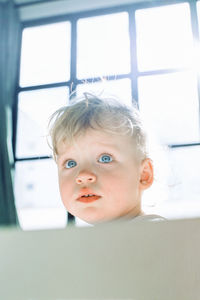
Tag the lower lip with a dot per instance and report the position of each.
(88, 199)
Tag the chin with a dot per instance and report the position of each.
(89, 214)
(92, 218)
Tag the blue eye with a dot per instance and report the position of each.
(70, 164)
(105, 158)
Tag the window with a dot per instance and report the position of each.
(173, 112)
(37, 195)
(45, 56)
(103, 46)
(121, 88)
(164, 44)
(132, 51)
(45, 61)
(34, 109)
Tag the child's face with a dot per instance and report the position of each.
(104, 165)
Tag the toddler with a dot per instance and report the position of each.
(100, 148)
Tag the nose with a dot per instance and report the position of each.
(86, 177)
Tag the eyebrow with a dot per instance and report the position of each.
(105, 145)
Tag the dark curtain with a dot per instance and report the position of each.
(10, 33)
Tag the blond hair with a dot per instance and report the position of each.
(91, 112)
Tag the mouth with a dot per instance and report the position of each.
(88, 198)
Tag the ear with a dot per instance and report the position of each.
(146, 174)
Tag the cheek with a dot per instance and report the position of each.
(114, 182)
(66, 188)
(120, 182)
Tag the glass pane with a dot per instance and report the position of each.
(103, 46)
(45, 56)
(37, 195)
(169, 105)
(164, 37)
(176, 188)
(183, 183)
(117, 88)
(44, 218)
(34, 110)
(36, 184)
(184, 178)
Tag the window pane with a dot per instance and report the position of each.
(164, 37)
(34, 110)
(36, 184)
(103, 46)
(37, 195)
(183, 183)
(45, 56)
(117, 88)
(169, 104)
(175, 191)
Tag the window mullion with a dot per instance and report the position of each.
(133, 54)
(73, 66)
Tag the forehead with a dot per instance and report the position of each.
(98, 139)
